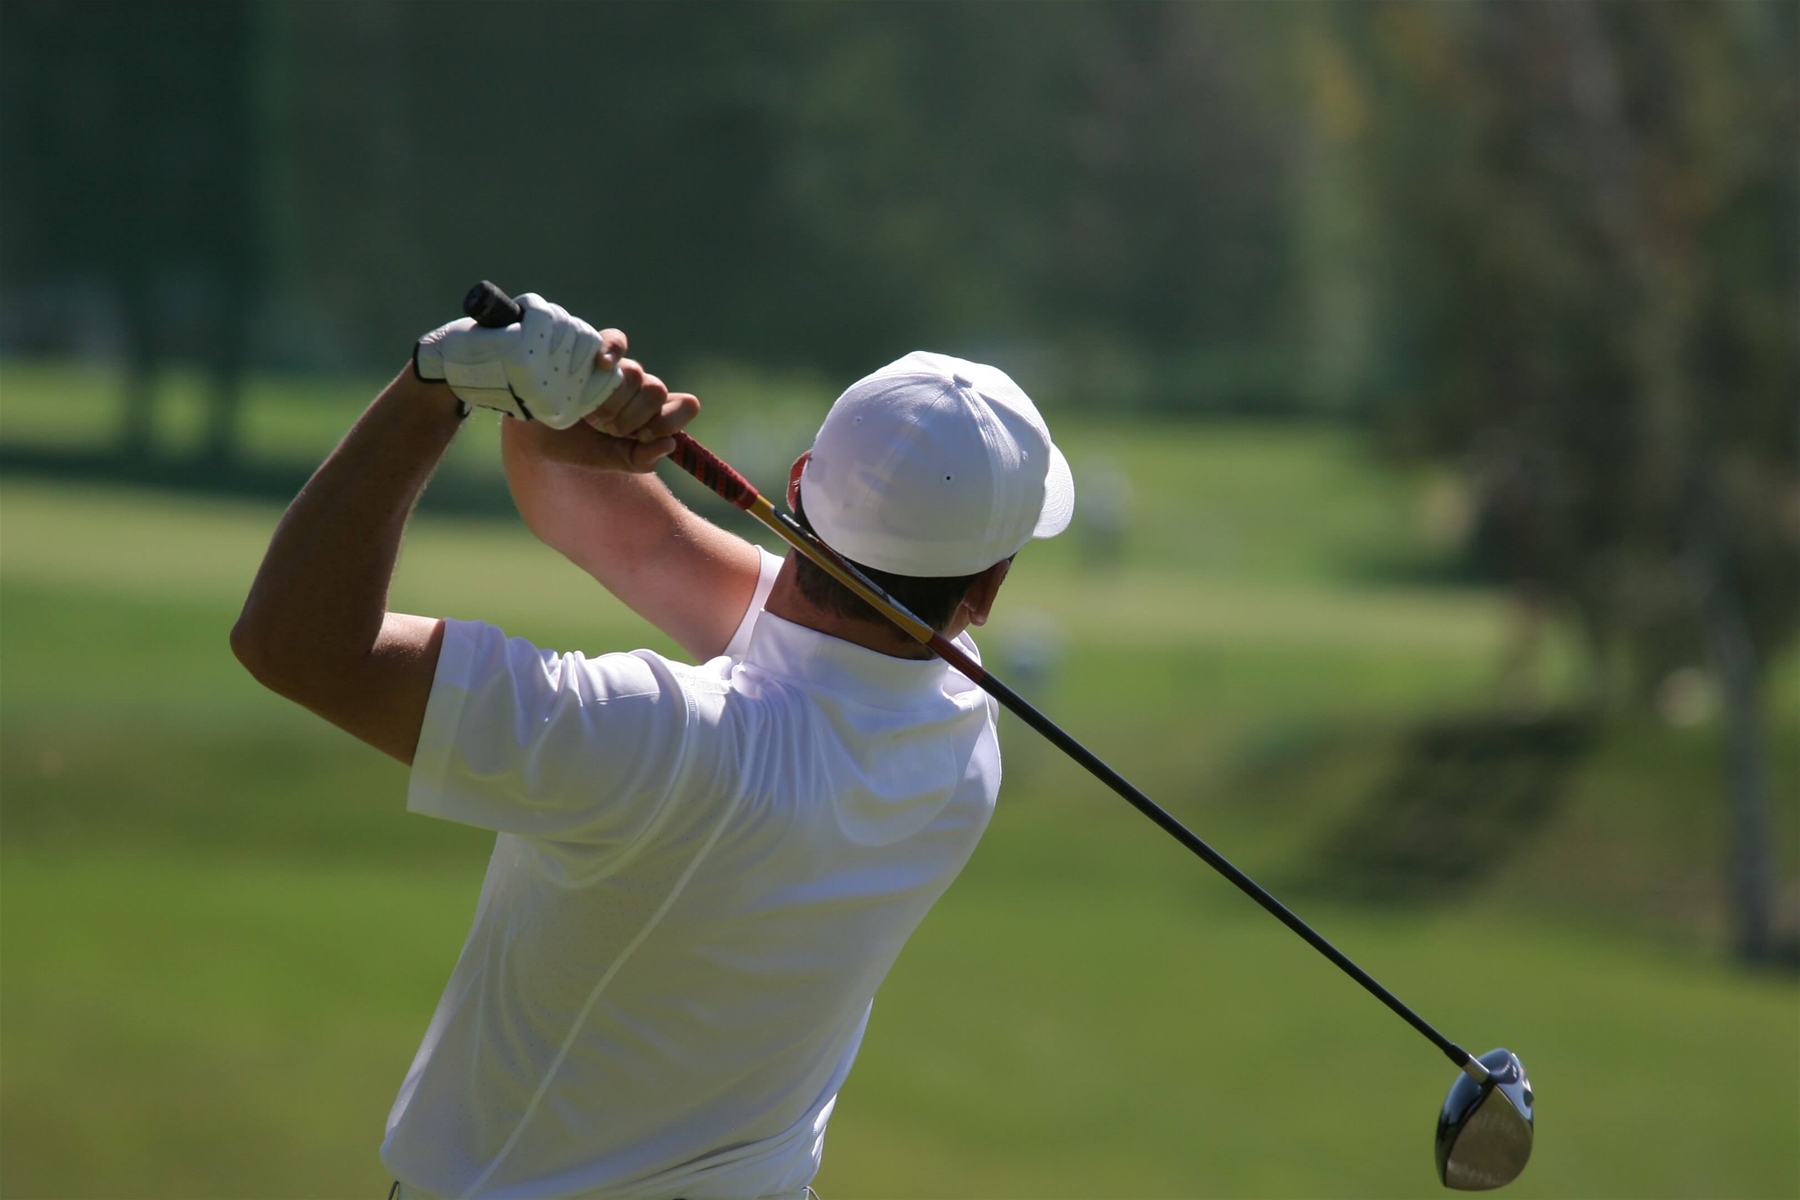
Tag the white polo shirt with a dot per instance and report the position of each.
(702, 875)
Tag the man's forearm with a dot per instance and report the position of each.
(673, 567)
(317, 611)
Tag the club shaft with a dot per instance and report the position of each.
(1218, 862)
(491, 306)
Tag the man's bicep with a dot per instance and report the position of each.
(710, 588)
(382, 698)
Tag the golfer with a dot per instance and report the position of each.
(702, 873)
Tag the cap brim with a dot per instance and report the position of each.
(1059, 497)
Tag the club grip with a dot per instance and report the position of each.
(713, 471)
(491, 307)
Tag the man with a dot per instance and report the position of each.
(702, 873)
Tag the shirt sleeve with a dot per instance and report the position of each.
(558, 746)
(739, 645)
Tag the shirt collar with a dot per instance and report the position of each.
(781, 648)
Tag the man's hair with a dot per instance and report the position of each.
(932, 600)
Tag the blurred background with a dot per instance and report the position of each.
(1431, 377)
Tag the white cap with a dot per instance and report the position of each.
(935, 466)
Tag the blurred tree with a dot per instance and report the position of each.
(614, 157)
(1109, 178)
(1594, 295)
(130, 139)
(1101, 192)
(1333, 222)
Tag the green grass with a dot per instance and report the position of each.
(221, 936)
(203, 1026)
(1139, 1035)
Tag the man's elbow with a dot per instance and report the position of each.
(247, 646)
(296, 665)
(260, 654)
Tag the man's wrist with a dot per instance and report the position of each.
(463, 407)
(431, 395)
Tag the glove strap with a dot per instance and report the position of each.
(463, 409)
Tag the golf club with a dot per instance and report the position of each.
(1485, 1128)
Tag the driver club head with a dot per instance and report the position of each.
(1484, 1132)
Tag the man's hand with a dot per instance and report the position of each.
(551, 366)
(630, 431)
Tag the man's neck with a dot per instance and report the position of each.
(790, 604)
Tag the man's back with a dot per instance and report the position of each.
(702, 876)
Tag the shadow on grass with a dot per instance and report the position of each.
(453, 491)
(458, 492)
(1468, 792)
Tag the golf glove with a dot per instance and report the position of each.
(543, 368)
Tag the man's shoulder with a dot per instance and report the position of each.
(479, 656)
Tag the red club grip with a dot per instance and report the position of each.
(713, 471)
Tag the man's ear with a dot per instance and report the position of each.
(978, 601)
(793, 492)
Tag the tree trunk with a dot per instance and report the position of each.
(224, 408)
(137, 427)
(1735, 659)
(1659, 263)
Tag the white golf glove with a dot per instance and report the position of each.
(543, 368)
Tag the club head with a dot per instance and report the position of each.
(1484, 1133)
